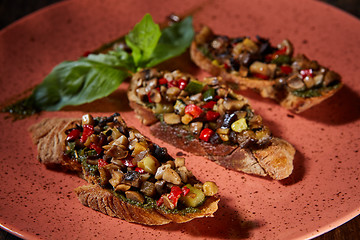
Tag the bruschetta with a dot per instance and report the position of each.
(295, 82)
(129, 176)
(207, 118)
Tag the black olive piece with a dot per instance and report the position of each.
(97, 129)
(232, 137)
(147, 73)
(234, 64)
(229, 118)
(237, 40)
(265, 46)
(122, 129)
(110, 119)
(96, 121)
(102, 122)
(215, 139)
(131, 176)
(108, 132)
(102, 139)
(161, 153)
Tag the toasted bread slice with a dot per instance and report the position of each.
(130, 177)
(49, 137)
(165, 107)
(296, 83)
(105, 201)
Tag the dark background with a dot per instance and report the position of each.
(11, 10)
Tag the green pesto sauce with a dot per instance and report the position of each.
(314, 92)
(204, 49)
(81, 156)
(151, 204)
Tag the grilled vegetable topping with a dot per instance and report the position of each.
(122, 159)
(210, 111)
(259, 59)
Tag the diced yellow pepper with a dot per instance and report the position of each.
(250, 45)
(223, 130)
(149, 163)
(138, 148)
(215, 62)
(224, 137)
(239, 125)
(186, 119)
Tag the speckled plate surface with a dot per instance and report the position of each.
(322, 192)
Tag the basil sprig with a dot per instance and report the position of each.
(98, 75)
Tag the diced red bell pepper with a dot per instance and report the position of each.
(139, 170)
(286, 69)
(193, 110)
(185, 190)
(182, 83)
(149, 97)
(261, 76)
(160, 201)
(209, 105)
(97, 148)
(175, 194)
(306, 72)
(128, 162)
(270, 57)
(281, 51)
(87, 131)
(102, 163)
(163, 81)
(172, 83)
(205, 134)
(212, 116)
(227, 66)
(73, 135)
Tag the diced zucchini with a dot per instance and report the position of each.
(209, 94)
(163, 108)
(194, 86)
(282, 59)
(194, 198)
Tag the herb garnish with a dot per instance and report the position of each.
(98, 75)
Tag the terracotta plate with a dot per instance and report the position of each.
(321, 194)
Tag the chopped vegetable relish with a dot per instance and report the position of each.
(121, 159)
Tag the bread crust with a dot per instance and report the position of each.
(104, 201)
(266, 88)
(49, 136)
(274, 160)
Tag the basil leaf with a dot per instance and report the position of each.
(173, 42)
(76, 83)
(118, 58)
(143, 38)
